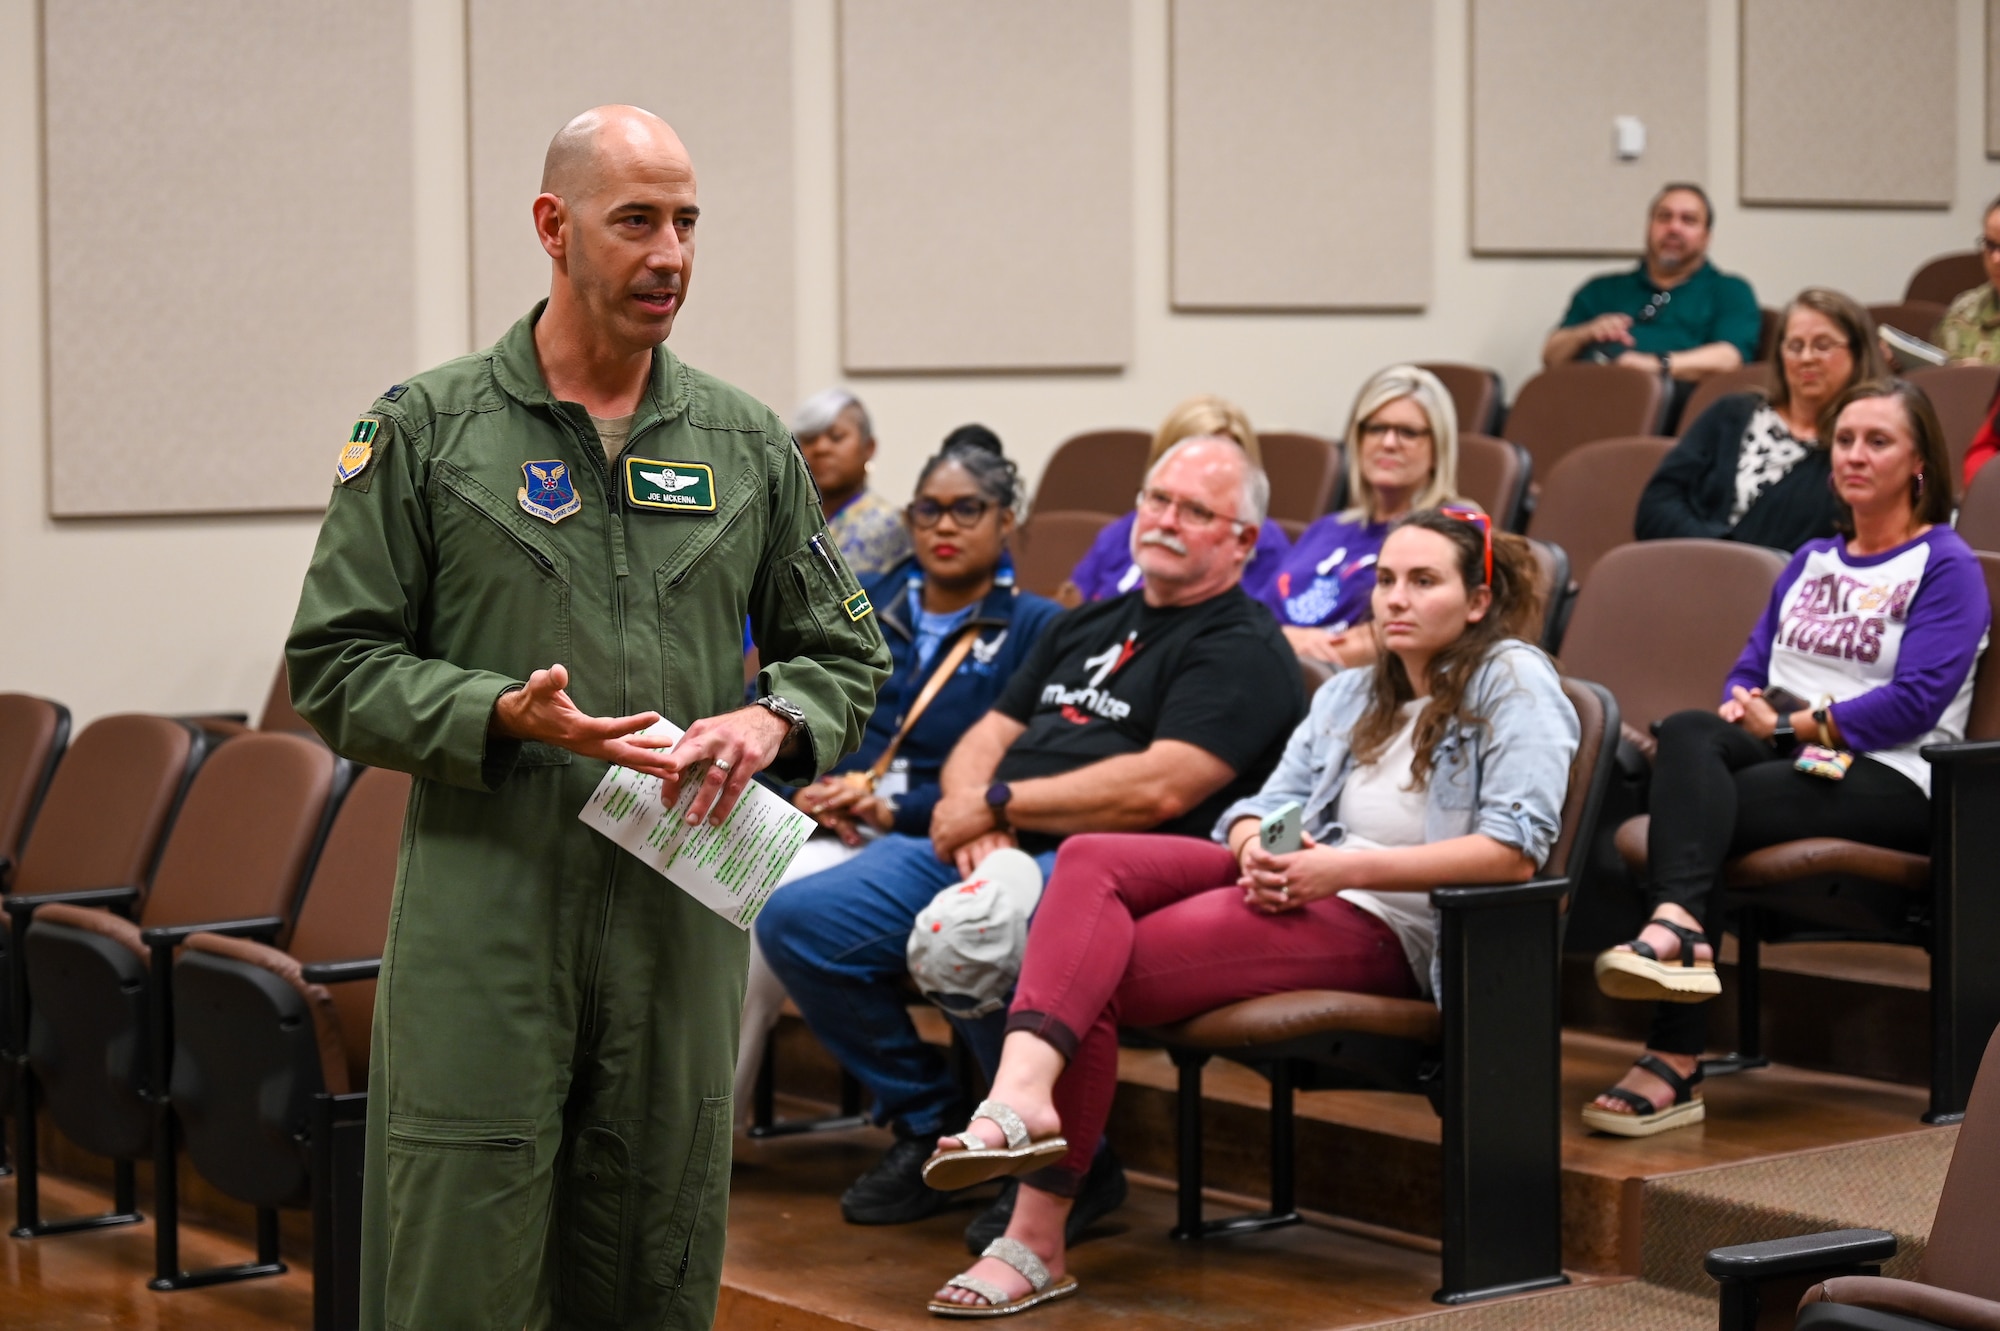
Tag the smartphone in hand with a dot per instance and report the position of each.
(1783, 701)
(1281, 829)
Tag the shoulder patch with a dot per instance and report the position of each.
(857, 606)
(359, 450)
(394, 391)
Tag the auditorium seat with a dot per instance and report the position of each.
(1826, 888)
(1304, 471)
(1956, 1286)
(99, 827)
(1946, 278)
(1589, 501)
(33, 734)
(1099, 471)
(1494, 474)
(1556, 588)
(1477, 394)
(100, 1018)
(1498, 957)
(1049, 544)
(271, 1047)
(1755, 377)
(1979, 513)
(1767, 333)
(1962, 395)
(1567, 406)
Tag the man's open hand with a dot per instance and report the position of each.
(542, 711)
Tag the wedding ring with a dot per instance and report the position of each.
(721, 765)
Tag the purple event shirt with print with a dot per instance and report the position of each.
(1329, 577)
(1107, 570)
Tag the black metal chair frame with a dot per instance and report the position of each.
(1500, 949)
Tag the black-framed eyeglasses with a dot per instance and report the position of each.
(1651, 309)
(965, 512)
(1485, 525)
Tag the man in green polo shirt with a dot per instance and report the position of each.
(1675, 313)
(1970, 330)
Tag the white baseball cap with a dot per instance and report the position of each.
(965, 949)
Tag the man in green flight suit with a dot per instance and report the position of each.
(530, 554)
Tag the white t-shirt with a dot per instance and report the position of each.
(1378, 812)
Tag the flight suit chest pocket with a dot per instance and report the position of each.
(459, 1189)
(501, 589)
(689, 1259)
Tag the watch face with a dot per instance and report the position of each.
(998, 793)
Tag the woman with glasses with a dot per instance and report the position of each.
(1402, 454)
(1446, 762)
(1863, 656)
(1108, 569)
(951, 615)
(1751, 467)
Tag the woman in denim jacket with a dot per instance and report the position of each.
(1459, 778)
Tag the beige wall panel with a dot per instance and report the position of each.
(1849, 102)
(1301, 174)
(986, 194)
(228, 273)
(1548, 79)
(720, 71)
(1992, 67)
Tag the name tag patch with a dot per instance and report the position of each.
(549, 494)
(672, 487)
(358, 452)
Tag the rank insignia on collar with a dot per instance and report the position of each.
(857, 606)
(358, 451)
(673, 487)
(549, 494)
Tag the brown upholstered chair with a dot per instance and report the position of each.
(1049, 544)
(1099, 471)
(1957, 1285)
(1304, 470)
(270, 1073)
(1826, 887)
(33, 734)
(1497, 948)
(1557, 590)
(1478, 396)
(1756, 377)
(1963, 395)
(1589, 501)
(1918, 318)
(1494, 474)
(100, 1017)
(1946, 278)
(1567, 406)
(1979, 513)
(1767, 333)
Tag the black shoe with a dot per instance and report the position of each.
(1102, 1193)
(893, 1191)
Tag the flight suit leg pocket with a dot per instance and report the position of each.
(689, 1261)
(595, 1189)
(461, 1210)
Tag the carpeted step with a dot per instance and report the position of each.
(1632, 1305)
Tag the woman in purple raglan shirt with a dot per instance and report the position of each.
(1874, 635)
(1402, 454)
(1106, 569)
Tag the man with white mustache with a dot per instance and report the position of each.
(1148, 711)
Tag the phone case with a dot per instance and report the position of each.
(1280, 829)
(1829, 763)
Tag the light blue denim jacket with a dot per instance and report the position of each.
(1506, 778)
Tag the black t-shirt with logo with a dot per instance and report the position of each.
(1113, 676)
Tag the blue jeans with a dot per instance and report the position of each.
(838, 940)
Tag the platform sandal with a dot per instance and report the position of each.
(1041, 1288)
(1646, 1118)
(1639, 972)
(976, 1162)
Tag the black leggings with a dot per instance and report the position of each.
(1719, 792)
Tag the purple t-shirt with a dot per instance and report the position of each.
(1107, 569)
(1892, 638)
(1327, 578)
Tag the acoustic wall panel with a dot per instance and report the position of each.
(1549, 80)
(1301, 174)
(230, 256)
(720, 72)
(1849, 102)
(986, 194)
(1992, 67)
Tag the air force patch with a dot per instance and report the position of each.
(358, 451)
(857, 606)
(675, 487)
(549, 494)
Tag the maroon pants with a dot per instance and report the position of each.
(1146, 929)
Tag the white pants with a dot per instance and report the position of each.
(764, 995)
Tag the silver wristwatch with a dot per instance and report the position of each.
(785, 710)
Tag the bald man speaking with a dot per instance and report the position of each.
(530, 554)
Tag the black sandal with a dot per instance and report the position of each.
(1636, 971)
(1646, 1118)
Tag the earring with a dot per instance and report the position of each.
(1920, 486)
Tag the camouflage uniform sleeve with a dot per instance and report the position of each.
(814, 627)
(356, 672)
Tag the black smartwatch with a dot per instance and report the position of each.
(1783, 738)
(997, 796)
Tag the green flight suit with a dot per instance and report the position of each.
(549, 1114)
